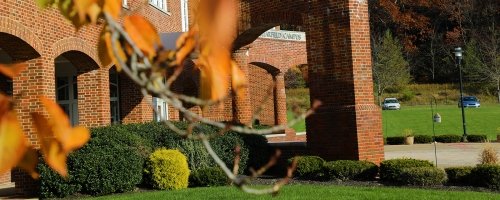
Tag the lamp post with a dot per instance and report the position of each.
(458, 55)
(436, 118)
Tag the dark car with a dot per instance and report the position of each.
(470, 102)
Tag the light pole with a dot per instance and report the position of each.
(436, 118)
(458, 55)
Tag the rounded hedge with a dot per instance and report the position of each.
(487, 175)
(477, 138)
(207, 177)
(421, 176)
(225, 146)
(309, 167)
(423, 139)
(351, 170)
(448, 138)
(459, 175)
(395, 140)
(390, 170)
(52, 185)
(167, 170)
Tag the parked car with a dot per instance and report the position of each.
(391, 104)
(470, 102)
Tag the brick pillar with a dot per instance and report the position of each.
(279, 99)
(348, 125)
(242, 108)
(37, 80)
(93, 98)
(134, 107)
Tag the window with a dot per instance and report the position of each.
(114, 96)
(160, 4)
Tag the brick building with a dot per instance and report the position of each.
(63, 65)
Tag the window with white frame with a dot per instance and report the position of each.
(160, 4)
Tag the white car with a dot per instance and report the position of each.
(391, 104)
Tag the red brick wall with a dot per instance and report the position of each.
(38, 36)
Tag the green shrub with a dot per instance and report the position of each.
(225, 145)
(423, 139)
(259, 151)
(477, 138)
(167, 170)
(207, 177)
(407, 95)
(310, 168)
(448, 138)
(351, 170)
(104, 169)
(486, 176)
(395, 140)
(421, 176)
(390, 170)
(459, 175)
(52, 185)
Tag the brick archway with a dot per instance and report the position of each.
(16, 29)
(75, 44)
(348, 124)
(92, 83)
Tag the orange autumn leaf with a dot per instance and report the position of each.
(238, 78)
(13, 143)
(113, 7)
(12, 71)
(217, 23)
(87, 10)
(143, 33)
(29, 162)
(185, 45)
(105, 50)
(57, 137)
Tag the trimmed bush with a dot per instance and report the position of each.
(351, 170)
(477, 138)
(309, 168)
(104, 169)
(395, 140)
(167, 170)
(423, 139)
(259, 151)
(390, 170)
(421, 176)
(459, 175)
(486, 176)
(448, 138)
(207, 177)
(225, 145)
(52, 185)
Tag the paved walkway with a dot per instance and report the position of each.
(448, 155)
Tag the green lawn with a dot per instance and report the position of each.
(484, 120)
(299, 127)
(314, 192)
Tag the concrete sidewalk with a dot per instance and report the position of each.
(448, 155)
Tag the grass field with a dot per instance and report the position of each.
(299, 127)
(314, 192)
(484, 120)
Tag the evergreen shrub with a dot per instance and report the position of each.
(167, 170)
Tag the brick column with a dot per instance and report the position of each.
(348, 125)
(279, 99)
(242, 108)
(93, 98)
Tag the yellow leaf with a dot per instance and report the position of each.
(214, 75)
(113, 7)
(13, 144)
(57, 138)
(12, 71)
(143, 33)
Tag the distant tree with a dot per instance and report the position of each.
(390, 69)
(294, 78)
